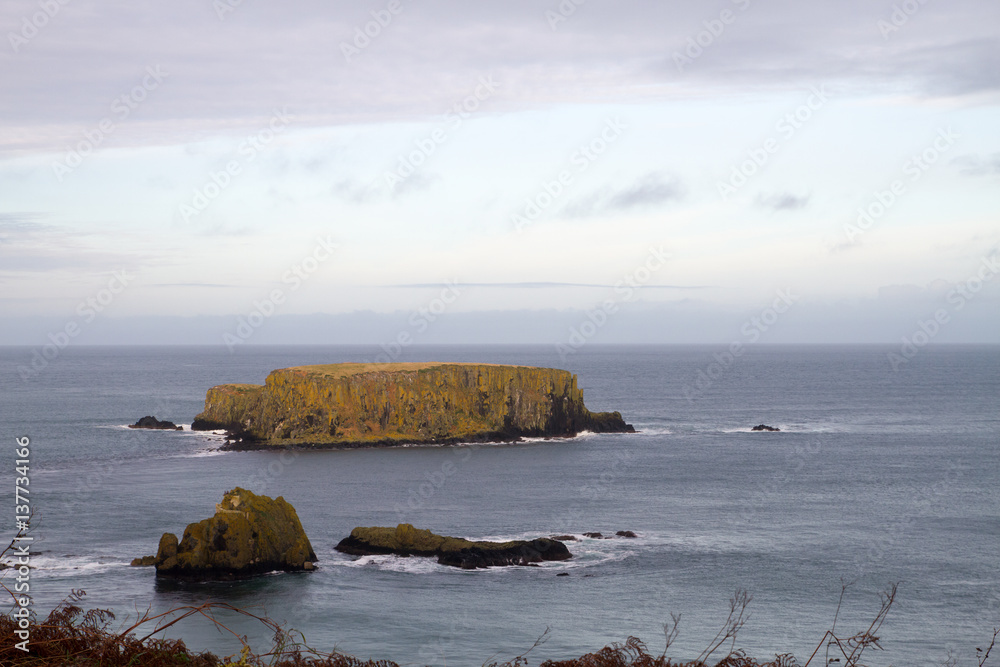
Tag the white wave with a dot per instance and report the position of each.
(204, 453)
(652, 430)
(76, 565)
(389, 563)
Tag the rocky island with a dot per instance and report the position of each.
(359, 405)
(249, 534)
(152, 422)
(765, 427)
(405, 540)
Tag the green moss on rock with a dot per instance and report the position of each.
(405, 540)
(380, 404)
(249, 534)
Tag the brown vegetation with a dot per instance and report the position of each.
(71, 636)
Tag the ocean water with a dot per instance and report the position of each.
(877, 477)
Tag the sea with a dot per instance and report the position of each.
(882, 474)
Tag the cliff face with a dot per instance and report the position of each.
(359, 404)
(249, 534)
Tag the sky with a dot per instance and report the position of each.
(234, 172)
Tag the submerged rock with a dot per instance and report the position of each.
(765, 427)
(248, 535)
(152, 422)
(352, 405)
(405, 540)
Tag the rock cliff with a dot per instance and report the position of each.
(405, 540)
(339, 405)
(248, 535)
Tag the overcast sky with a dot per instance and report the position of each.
(198, 159)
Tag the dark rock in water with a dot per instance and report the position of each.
(405, 540)
(145, 561)
(596, 536)
(625, 533)
(563, 574)
(153, 422)
(765, 427)
(565, 538)
(248, 535)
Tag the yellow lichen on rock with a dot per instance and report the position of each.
(357, 404)
(249, 534)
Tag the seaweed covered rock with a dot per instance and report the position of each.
(350, 405)
(405, 540)
(153, 423)
(248, 535)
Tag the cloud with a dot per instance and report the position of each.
(783, 201)
(650, 190)
(223, 75)
(974, 165)
(653, 189)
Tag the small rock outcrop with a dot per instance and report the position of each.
(355, 405)
(765, 427)
(152, 422)
(248, 535)
(626, 533)
(405, 540)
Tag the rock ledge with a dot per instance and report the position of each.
(405, 540)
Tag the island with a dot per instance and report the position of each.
(249, 534)
(363, 405)
(405, 540)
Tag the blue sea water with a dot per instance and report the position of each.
(876, 477)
